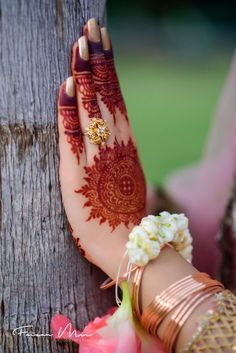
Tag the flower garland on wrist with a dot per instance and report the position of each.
(147, 239)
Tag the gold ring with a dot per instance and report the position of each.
(97, 131)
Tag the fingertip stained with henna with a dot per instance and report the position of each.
(67, 106)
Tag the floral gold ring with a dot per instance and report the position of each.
(97, 131)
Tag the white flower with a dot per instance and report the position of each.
(142, 253)
(138, 256)
(179, 236)
(164, 214)
(150, 227)
(152, 249)
(142, 245)
(186, 252)
(167, 220)
(165, 234)
(138, 235)
(181, 220)
(145, 240)
(187, 237)
(152, 218)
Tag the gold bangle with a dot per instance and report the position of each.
(162, 309)
(171, 297)
(216, 331)
(136, 289)
(136, 286)
(182, 314)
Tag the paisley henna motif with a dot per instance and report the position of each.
(68, 110)
(115, 186)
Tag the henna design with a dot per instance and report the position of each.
(84, 82)
(104, 81)
(68, 110)
(105, 78)
(70, 229)
(115, 186)
(77, 243)
(100, 75)
(114, 83)
(76, 240)
(101, 81)
(86, 87)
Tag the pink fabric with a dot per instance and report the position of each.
(202, 190)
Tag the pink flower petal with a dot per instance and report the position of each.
(63, 329)
(115, 332)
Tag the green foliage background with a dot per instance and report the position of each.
(171, 107)
(172, 58)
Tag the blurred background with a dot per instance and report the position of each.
(172, 58)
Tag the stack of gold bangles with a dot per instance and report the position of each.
(216, 331)
(181, 299)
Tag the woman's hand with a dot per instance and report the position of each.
(103, 187)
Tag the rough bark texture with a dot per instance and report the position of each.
(41, 271)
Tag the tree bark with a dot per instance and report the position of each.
(42, 272)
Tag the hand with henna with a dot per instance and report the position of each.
(103, 186)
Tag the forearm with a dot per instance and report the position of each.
(166, 269)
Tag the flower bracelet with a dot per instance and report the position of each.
(148, 239)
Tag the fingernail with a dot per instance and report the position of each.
(83, 48)
(70, 87)
(105, 39)
(93, 30)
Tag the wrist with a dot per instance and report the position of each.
(167, 268)
(109, 251)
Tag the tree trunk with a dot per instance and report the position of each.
(42, 272)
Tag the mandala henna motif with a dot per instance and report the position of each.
(115, 186)
(70, 121)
